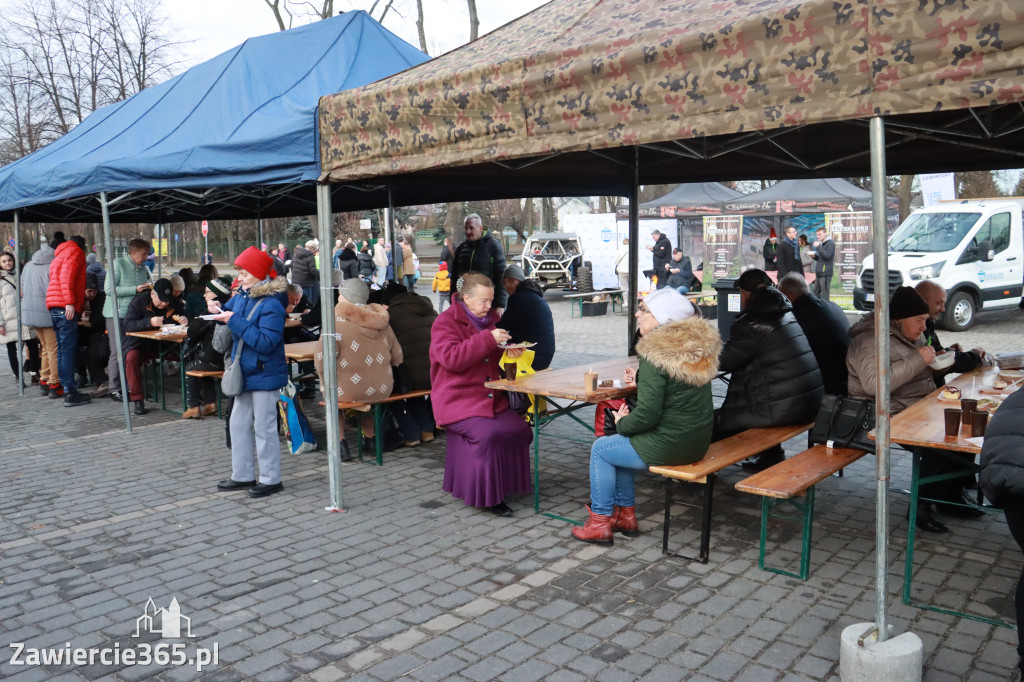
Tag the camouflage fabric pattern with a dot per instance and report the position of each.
(587, 74)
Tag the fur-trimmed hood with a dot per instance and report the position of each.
(373, 318)
(688, 350)
(270, 287)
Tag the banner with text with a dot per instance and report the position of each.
(852, 234)
(722, 244)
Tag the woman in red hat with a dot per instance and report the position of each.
(256, 316)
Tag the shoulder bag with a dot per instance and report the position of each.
(233, 381)
(844, 422)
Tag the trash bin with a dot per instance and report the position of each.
(728, 305)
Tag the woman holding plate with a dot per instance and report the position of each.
(488, 453)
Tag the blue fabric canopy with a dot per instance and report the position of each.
(245, 119)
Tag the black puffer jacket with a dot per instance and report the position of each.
(775, 379)
(485, 256)
(304, 270)
(348, 263)
(365, 264)
(528, 318)
(1002, 455)
(199, 345)
(411, 317)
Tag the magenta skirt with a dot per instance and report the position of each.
(488, 459)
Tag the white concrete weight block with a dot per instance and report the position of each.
(898, 659)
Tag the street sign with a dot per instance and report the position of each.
(206, 228)
(10, 242)
(175, 236)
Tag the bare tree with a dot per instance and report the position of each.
(62, 59)
(420, 29)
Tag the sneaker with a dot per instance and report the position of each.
(101, 390)
(44, 388)
(764, 460)
(75, 399)
(115, 396)
(56, 392)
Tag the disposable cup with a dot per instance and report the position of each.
(952, 422)
(979, 422)
(590, 382)
(510, 370)
(968, 405)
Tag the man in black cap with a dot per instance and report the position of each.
(148, 310)
(92, 341)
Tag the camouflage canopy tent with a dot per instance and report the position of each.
(598, 96)
(560, 100)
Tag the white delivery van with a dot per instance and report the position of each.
(973, 248)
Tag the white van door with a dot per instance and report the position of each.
(1001, 278)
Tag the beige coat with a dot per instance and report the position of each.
(366, 350)
(910, 379)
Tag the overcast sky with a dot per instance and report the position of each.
(210, 27)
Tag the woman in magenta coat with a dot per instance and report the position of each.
(488, 454)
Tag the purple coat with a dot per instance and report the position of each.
(461, 360)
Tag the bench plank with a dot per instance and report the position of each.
(731, 450)
(798, 473)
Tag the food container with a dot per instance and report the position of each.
(943, 360)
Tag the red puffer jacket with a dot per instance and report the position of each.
(67, 278)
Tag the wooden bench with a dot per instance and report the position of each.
(723, 453)
(378, 419)
(793, 478)
(577, 300)
(208, 374)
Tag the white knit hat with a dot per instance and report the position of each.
(668, 305)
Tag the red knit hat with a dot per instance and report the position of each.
(442, 266)
(772, 235)
(257, 263)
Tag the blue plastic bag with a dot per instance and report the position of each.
(297, 431)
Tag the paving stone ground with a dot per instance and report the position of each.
(409, 583)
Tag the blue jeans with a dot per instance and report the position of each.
(682, 289)
(66, 332)
(410, 282)
(312, 294)
(613, 465)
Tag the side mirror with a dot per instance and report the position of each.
(985, 251)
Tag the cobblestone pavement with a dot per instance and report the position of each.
(409, 583)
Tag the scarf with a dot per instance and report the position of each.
(795, 244)
(479, 322)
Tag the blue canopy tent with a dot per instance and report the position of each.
(233, 137)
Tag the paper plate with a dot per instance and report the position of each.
(525, 344)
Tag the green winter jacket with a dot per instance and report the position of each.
(672, 421)
(126, 276)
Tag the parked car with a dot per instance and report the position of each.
(555, 259)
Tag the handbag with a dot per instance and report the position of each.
(604, 416)
(844, 422)
(233, 381)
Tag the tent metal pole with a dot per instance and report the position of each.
(327, 338)
(880, 247)
(159, 244)
(634, 250)
(17, 301)
(389, 217)
(109, 244)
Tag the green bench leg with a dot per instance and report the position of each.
(378, 438)
(806, 518)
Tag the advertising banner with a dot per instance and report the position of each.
(852, 235)
(722, 245)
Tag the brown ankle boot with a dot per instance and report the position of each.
(624, 521)
(191, 413)
(597, 529)
(209, 409)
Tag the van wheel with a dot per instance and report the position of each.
(960, 312)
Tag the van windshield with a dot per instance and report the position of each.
(932, 232)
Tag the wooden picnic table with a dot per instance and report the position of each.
(922, 425)
(304, 351)
(163, 348)
(565, 384)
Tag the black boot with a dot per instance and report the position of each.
(763, 460)
(140, 407)
(927, 520)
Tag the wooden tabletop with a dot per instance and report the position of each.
(568, 383)
(301, 352)
(923, 423)
(157, 335)
(291, 323)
